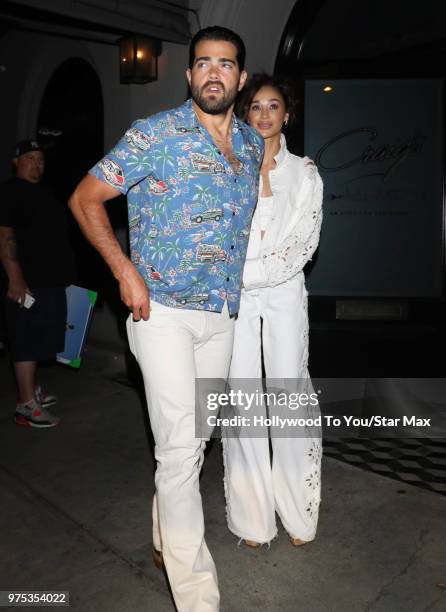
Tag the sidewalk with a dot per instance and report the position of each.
(76, 515)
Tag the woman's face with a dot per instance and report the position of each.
(267, 112)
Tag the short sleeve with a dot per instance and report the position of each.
(261, 150)
(130, 161)
(7, 208)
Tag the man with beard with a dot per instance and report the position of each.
(191, 179)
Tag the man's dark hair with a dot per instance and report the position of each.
(219, 33)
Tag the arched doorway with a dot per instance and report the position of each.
(70, 123)
(71, 126)
(346, 38)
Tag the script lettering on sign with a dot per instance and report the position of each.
(393, 153)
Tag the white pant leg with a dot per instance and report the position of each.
(213, 352)
(156, 536)
(166, 347)
(248, 480)
(296, 460)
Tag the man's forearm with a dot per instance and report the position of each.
(9, 254)
(87, 205)
(95, 225)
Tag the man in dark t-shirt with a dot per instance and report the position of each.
(39, 264)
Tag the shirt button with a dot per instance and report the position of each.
(235, 180)
(232, 247)
(233, 213)
(219, 152)
(227, 279)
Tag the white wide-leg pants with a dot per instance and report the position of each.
(173, 348)
(290, 485)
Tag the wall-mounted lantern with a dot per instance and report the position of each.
(138, 59)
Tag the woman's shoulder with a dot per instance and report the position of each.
(303, 166)
(300, 162)
(296, 166)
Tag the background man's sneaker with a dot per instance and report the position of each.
(32, 414)
(43, 399)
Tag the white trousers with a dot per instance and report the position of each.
(173, 348)
(255, 487)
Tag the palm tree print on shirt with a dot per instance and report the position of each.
(178, 177)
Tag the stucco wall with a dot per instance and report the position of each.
(260, 24)
(30, 60)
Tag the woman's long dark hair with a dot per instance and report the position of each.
(283, 86)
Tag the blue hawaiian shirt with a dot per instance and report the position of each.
(189, 211)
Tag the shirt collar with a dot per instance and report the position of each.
(190, 119)
(187, 115)
(283, 151)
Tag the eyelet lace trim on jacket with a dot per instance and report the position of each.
(287, 259)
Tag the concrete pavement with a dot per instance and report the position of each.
(76, 515)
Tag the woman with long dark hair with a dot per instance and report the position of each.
(273, 315)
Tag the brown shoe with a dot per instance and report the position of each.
(157, 556)
(252, 544)
(297, 542)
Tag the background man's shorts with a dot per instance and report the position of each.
(37, 333)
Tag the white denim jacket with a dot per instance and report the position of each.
(293, 234)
